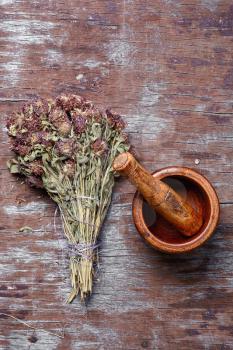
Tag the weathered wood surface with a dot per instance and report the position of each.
(167, 65)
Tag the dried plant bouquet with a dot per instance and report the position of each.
(67, 147)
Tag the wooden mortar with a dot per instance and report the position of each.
(182, 223)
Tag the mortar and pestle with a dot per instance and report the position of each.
(175, 209)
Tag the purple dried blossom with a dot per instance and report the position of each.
(21, 139)
(33, 124)
(99, 146)
(93, 113)
(69, 168)
(69, 102)
(21, 144)
(41, 137)
(88, 111)
(23, 124)
(115, 120)
(87, 105)
(40, 107)
(16, 119)
(97, 115)
(28, 110)
(22, 150)
(36, 167)
(65, 148)
(79, 123)
(60, 120)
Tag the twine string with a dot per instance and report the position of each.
(81, 249)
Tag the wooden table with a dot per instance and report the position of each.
(167, 66)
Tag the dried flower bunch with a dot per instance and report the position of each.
(67, 147)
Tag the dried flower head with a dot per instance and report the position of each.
(69, 168)
(70, 102)
(60, 120)
(115, 120)
(79, 122)
(41, 107)
(41, 137)
(16, 120)
(21, 149)
(36, 167)
(99, 146)
(65, 147)
(28, 110)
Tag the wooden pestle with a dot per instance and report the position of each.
(161, 197)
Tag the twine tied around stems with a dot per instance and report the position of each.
(79, 249)
(84, 250)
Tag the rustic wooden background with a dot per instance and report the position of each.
(167, 65)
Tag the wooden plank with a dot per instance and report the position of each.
(167, 66)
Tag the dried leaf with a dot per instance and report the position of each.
(14, 168)
(26, 229)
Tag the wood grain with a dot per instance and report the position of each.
(167, 66)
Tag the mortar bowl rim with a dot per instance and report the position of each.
(205, 232)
